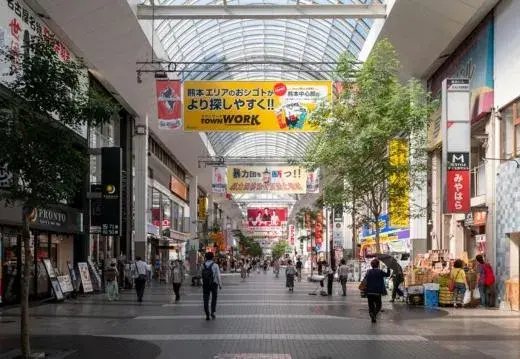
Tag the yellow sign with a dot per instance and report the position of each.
(252, 106)
(399, 206)
(435, 130)
(202, 206)
(255, 179)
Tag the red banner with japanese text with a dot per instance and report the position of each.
(292, 234)
(458, 194)
(318, 229)
(169, 104)
(458, 191)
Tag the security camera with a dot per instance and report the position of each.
(498, 115)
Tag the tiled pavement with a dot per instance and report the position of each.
(260, 316)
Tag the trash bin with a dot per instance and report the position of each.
(431, 295)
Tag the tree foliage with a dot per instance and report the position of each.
(47, 163)
(355, 129)
(248, 246)
(280, 248)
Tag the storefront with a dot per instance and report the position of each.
(475, 224)
(53, 234)
(392, 240)
(167, 224)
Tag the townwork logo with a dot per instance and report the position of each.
(253, 120)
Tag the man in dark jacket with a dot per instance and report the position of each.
(375, 288)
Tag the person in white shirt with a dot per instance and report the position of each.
(211, 283)
(343, 272)
(140, 274)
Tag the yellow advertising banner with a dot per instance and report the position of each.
(255, 179)
(435, 130)
(252, 106)
(399, 199)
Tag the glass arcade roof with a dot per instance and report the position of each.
(274, 40)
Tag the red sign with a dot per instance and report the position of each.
(458, 191)
(280, 89)
(169, 104)
(318, 229)
(266, 217)
(292, 234)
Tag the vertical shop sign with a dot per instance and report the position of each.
(456, 146)
(338, 214)
(111, 168)
(399, 201)
(219, 180)
(292, 234)
(169, 104)
(338, 235)
(308, 221)
(318, 229)
(202, 208)
(313, 181)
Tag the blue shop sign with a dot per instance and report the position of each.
(369, 229)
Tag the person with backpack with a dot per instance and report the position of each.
(211, 283)
(485, 280)
(112, 287)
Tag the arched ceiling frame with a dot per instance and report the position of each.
(273, 40)
(254, 144)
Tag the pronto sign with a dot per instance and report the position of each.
(252, 106)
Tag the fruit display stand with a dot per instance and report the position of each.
(445, 296)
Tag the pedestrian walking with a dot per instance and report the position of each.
(248, 267)
(243, 271)
(486, 282)
(211, 283)
(290, 272)
(397, 279)
(112, 287)
(458, 277)
(299, 267)
(140, 274)
(276, 268)
(374, 283)
(343, 271)
(177, 277)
